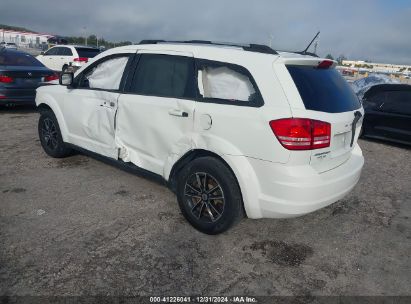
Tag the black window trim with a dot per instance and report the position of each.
(199, 98)
(236, 67)
(133, 71)
(131, 59)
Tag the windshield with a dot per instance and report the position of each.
(87, 52)
(323, 90)
(18, 59)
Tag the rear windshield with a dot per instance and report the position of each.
(87, 52)
(323, 90)
(18, 59)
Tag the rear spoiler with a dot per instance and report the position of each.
(320, 63)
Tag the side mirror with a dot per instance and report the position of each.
(66, 78)
(42, 53)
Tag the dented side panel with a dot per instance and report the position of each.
(148, 131)
(89, 116)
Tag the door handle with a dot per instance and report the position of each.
(177, 112)
(108, 104)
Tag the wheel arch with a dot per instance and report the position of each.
(187, 158)
(237, 165)
(44, 107)
(50, 106)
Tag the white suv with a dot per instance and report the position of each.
(230, 129)
(60, 57)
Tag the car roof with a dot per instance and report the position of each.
(386, 87)
(85, 47)
(76, 46)
(204, 50)
(17, 52)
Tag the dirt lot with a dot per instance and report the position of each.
(77, 226)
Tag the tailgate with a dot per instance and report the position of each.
(345, 129)
(317, 91)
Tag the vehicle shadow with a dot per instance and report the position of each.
(18, 109)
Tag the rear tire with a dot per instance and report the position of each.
(50, 136)
(209, 196)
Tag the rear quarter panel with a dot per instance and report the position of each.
(242, 130)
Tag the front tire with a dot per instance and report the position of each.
(209, 196)
(50, 136)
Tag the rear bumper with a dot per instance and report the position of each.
(17, 96)
(293, 191)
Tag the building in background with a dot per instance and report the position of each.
(25, 39)
(381, 68)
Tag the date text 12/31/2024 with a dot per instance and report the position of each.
(203, 299)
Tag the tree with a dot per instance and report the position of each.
(92, 40)
(329, 56)
(340, 59)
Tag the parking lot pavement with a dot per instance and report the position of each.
(77, 226)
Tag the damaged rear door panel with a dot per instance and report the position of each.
(154, 121)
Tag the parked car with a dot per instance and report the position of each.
(228, 128)
(8, 45)
(388, 113)
(362, 85)
(20, 75)
(60, 57)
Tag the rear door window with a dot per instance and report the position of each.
(323, 90)
(164, 76)
(59, 51)
(66, 52)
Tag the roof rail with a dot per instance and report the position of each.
(259, 48)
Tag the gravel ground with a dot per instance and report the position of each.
(77, 226)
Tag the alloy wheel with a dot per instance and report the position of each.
(49, 133)
(204, 196)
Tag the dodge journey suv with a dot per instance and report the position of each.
(232, 130)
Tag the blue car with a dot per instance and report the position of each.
(20, 75)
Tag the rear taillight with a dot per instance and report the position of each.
(81, 59)
(6, 79)
(302, 133)
(51, 77)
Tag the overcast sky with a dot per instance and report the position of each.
(376, 30)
